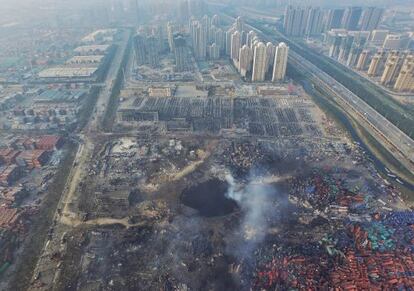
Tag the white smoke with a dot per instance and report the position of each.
(255, 201)
(231, 192)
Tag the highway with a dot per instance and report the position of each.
(396, 139)
(400, 145)
(106, 90)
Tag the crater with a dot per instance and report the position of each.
(209, 198)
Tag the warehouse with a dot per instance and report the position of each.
(33, 158)
(10, 174)
(84, 60)
(92, 50)
(49, 142)
(68, 72)
(59, 96)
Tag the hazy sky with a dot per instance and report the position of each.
(6, 6)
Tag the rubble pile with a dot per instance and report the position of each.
(241, 157)
(292, 272)
(370, 248)
(318, 190)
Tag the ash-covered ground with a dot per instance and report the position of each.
(229, 214)
(277, 198)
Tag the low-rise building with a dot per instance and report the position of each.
(12, 194)
(160, 92)
(10, 174)
(33, 158)
(8, 217)
(49, 142)
(92, 50)
(8, 155)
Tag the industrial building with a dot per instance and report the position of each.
(68, 73)
(85, 60)
(92, 50)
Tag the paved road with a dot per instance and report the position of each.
(369, 118)
(48, 268)
(106, 90)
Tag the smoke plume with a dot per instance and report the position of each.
(255, 200)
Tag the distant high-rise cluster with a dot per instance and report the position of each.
(150, 44)
(312, 21)
(345, 46)
(180, 49)
(208, 38)
(384, 57)
(281, 56)
(394, 68)
(301, 21)
(351, 18)
(187, 8)
(371, 18)
(148, 47)
(254, 58)
(405, 79)
(178, 46)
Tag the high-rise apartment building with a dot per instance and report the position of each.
(219, 39)
(170, 36)
(236, 43)
(362, 60)
(334, 18)
(206, 23)
(314, 21)
(249, 39)
(239, 24)
(215, 20)
(376, 64)
(259, 63)
(183, 11)
(280, 64)
(146, 50)
(351, 18)
(140, 50)
(354, 55)
(199, 39)
(301, 21)
(390, 70)
(396, 41)
(335, 45)
(196, 7)
(229, 33)
(152, 45)
(213, 52)
(295, 21)
(405, 79)
(345, 48)
(371, 17)
(180, 54)
(245, 63)
(270, 55)
(378, 36)
(243, 37)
